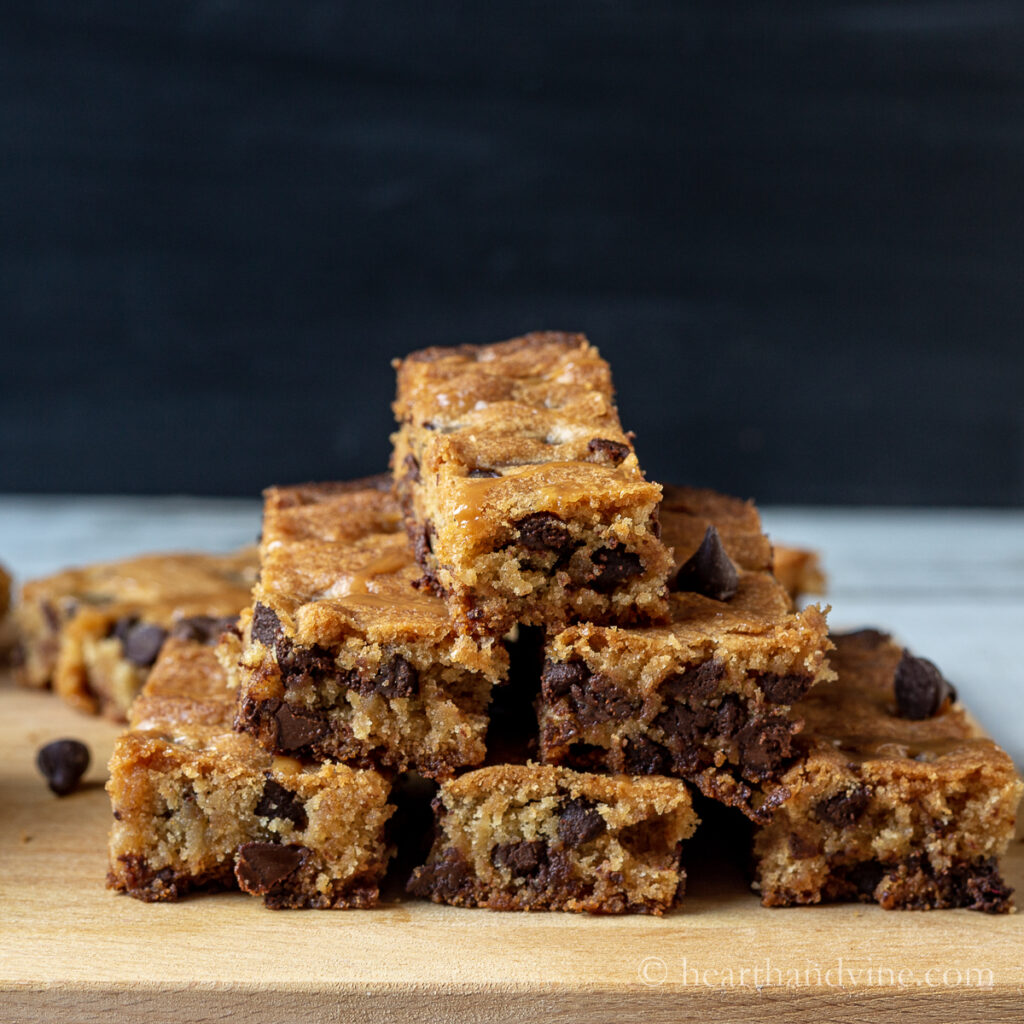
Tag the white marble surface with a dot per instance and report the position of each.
(949, 583)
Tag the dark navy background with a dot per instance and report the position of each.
(796, 230)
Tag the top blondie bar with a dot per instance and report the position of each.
(522, 495)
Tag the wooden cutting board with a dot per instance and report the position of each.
(72, 951)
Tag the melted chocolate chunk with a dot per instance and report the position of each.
(642, 756)
(603, 450)
(140, 641)
(412, 468)
(394, 678)
(558, 678)
(297, 729)
(542, 531)
(522, 859)
(63, 763)
(614, 566)
(580, 822)
(695, 681)
(278, 802)
(202, 629)
(600, 700)
(262, 866)
(480, 473)
(920, 688)
(779, 689)
(764, 746)
(843, 809)
(446, 878)
(708, 571)
(266, 626)
(303, 665)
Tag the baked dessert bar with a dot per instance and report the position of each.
(197, 806)
(94, 632)
(707, 697)
(799, 571)
(896, 798)
(523, 497)
(341, 657)
(536, 837)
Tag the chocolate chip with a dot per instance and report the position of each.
(558, 678)
(483, 474)
(63, 763)
(422, 542)
(260, 867)
(543, 531)
(395, 678)
(278, 802)
(708, 571)
(920, 688)
(302, 665)
(296, 729)
(642, 756)
(266, 626)
(783, 689)
(800, 847)
(614, 566)
(695, 681)
(600, 700)
(843, 809)
(520, 858)
(202, 629)
(445, 878)
(412, 468)
(764, 746)
(140, 641)
(580, 822)
(604, 450)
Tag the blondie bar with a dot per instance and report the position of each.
(799, 571)
(707, 697)
(522, 495)
(94, 632)
(197, 806)
(535, 837)
(895, 799)
(341, 656)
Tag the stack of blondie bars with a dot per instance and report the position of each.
(566, 651)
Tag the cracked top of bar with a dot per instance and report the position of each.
(520, 486)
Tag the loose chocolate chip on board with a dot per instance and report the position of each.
(708, 571)
(843, 809)
(522, 858)
(63, 763)
(542, 531)
(613, 567)
(278, 802)
(261, 866)
(266, 626)
(580, 822)
(920, 688)
(140, 641)
(202, 629)
(603, 450)
(296, 730)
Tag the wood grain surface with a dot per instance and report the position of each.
(70, 951)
